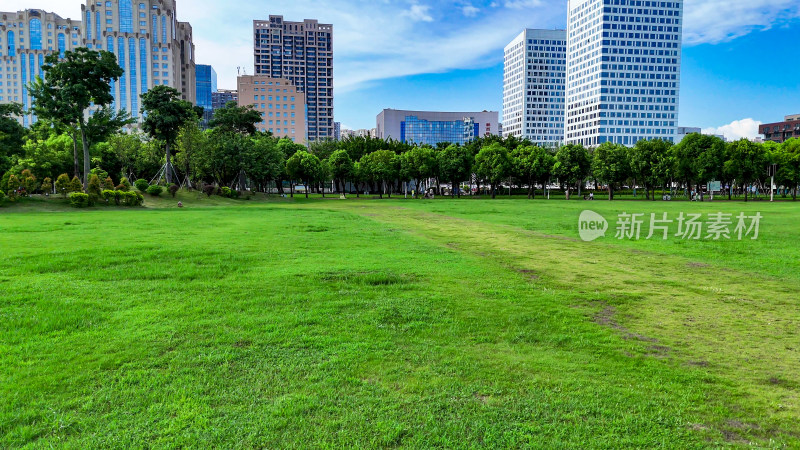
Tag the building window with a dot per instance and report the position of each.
(36, 34)
(12, 50)
(125, 16)
(123, 87)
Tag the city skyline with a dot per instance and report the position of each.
(721, 85)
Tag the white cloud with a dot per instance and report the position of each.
(522, 4)
(470, 11)
(419, 12)
(745, 128)
(714, 21)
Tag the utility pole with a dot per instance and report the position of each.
(772, 169)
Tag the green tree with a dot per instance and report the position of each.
(11, 134)
(748, 161)
(165, 115)
(236, 119)
(572, 166)
(493, 164)
(63, 185)
(288, 148)
(323, 148)
(699, 159)
(341, 169)
(787, 157)
(532, 164)
(191, 141)
(74, 85)
(305, 167)
(418, 164)
(382, 168)
(611, 165)
(455, 166)
(650, 161)
(263, 161)
(48, 157)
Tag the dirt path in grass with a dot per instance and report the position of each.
(738, 326)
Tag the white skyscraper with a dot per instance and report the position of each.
(533, 86)
(623, 70)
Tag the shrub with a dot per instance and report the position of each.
(108, 184)
(28, 181)
(142, 185)
(109, 196)
(154, 190)
(173, 189)
(14, 184)
(124, 182)
(75, 185)
(79, 199)
(47, 186)
(132, 198)
(2, 198)
(4, 182)
(63, 184)
(94, 186)
(225, 191)
(208, 189)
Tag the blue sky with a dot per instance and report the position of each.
(738, 65)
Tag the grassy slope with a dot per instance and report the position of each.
(383, 323)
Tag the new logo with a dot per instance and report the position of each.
(592, 226)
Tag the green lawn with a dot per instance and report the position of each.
(366, 323)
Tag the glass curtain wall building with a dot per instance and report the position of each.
(534, 80)
(431, 128)
(623, 70)
(206, 85)
(26, 38)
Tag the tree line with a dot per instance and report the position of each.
(79, 133)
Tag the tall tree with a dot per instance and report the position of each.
(572, 166)
(699, 159)
(190, 142)
(493, 164)
(341, 168)
(263, 161)
(748, 161)
(649, 163)
(74, 85)
(455, 166)
(532, 164)
(418, 164)
(165, 114)
(787, 156)
(611, 165)
(304, 166)
(382, 168)
(236, 119)
(11, 134)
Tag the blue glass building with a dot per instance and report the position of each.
(431, 128)
(206, 85)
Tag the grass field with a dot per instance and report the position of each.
(364, 323)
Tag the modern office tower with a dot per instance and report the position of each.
(623, 70)
(428, 127)
(151, 45)
(337, 131)
(301, 52)
(280, 103)
(26, 38)
(206, 85)
(533, 86)
(222, 97)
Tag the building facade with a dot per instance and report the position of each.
(26, 38)
(623, 70)
(534, 86)
(431, 128)
(206, 85)
(301, 52)
(781, 131)
(150, 44)
(337, 131)
(222, 97)
(280, 103)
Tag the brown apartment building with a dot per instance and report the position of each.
(282, 107)
(781, 131)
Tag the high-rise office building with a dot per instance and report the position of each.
(206, 85)
(280, 103)
(533, 86)
(151, 45)
(301, 52)
(623, 70)
(26, 38)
